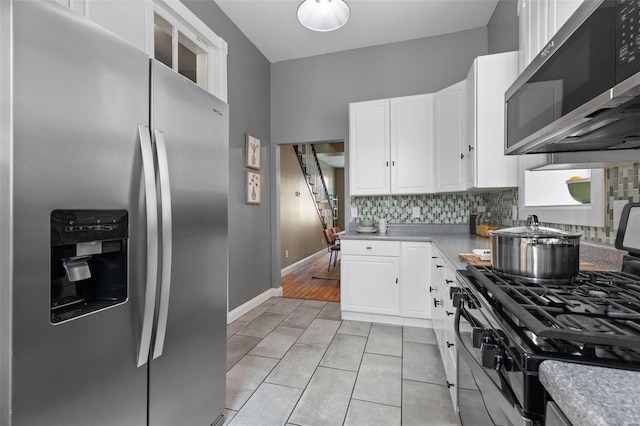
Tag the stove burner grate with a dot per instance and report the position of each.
(601, 308)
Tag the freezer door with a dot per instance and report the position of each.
(79, 95)
(187, 381)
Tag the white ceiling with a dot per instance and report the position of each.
(273, 27)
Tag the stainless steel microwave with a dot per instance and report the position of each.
(582, 91)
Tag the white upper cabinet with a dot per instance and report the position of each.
(486, 165)
(167, 31)
(450, 146)
(369, 148)
(539, 21)
(391, 146)
(412, 144)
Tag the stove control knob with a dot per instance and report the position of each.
(480, 336)
(492, 356)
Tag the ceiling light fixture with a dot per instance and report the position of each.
(323, 15)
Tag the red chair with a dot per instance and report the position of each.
(332, 247)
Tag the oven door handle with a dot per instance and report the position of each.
(505, 401)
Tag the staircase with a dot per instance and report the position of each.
(326, 205)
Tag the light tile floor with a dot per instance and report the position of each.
(295, 362)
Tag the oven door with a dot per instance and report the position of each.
(485, 365)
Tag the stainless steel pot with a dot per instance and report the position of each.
(535, 253)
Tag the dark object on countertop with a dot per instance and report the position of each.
(472, 222)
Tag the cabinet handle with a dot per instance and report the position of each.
(461, 156)
(436, 302)
(431, 289)
(393, 163)
(439, 266)
(448, 281)
(396, 281)
(387, 164)
(435, 257)
(449, 313)
(369, 248)
(449, 344)
(450, 385)
(470, 148)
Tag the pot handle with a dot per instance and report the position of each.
(532, 222)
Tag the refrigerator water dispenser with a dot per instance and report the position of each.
(88, 261)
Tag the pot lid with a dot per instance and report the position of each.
(533, 230)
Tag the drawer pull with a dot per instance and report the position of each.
(449, 313)
(449, 344)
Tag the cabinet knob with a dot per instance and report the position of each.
(461, 156)
(448, 281)
(449, 313)
(369, 248)
(387, 164)
(436, 302)
(439, 266)
(431, 289)
(450, 385)
(470, 148)
(449, 344)
(434, 257)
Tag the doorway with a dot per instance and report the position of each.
(304, 257)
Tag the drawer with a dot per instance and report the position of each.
(370, 247)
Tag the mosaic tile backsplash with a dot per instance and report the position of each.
(621, 183)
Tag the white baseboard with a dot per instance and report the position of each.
(246, 307)
(387, 319)
(301, 263)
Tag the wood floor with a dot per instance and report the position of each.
(300, 283)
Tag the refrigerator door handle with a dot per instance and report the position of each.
(148, 170)
(165, 279)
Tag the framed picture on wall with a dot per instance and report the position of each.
(253, 151)
(253, 187)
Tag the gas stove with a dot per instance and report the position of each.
(593, 319)
(516, 325)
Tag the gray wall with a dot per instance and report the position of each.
(310, 97)
(249, 225)
(502, 31)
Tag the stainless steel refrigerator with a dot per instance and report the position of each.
(113, 230)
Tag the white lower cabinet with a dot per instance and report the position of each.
(386, 281)
(370, 284)
(414, 280)
(443, 278)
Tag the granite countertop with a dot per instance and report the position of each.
(455, 239)
(593, 396)
(451, 239)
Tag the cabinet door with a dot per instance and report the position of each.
(369, 148)
(487, 165)
(449, 140)
(370, 284)
(559, 13)
(412, 144)
(436, 292)
(415, 279)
